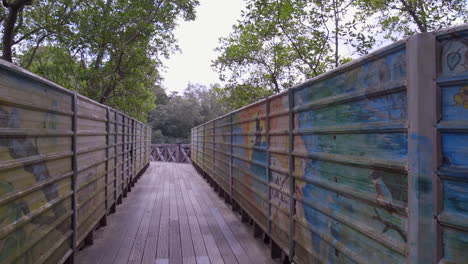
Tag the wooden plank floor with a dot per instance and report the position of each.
(173, 216)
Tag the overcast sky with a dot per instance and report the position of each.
(197, 41)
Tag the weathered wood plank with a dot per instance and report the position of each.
(151, 244)
(136, 254)
(251, 250)
(173, 216)
(175, 248)
(129, 240)
(163, 237)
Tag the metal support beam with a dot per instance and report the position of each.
(75, 170)
(291, 175)
(422, 147)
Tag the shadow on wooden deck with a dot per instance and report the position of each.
(173, 216)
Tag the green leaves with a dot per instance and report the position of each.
(172, 120)
(396, 19)
(108, 50)
(279, 43)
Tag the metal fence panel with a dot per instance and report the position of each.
(57, 167)
(363, 164)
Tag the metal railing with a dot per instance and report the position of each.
(179, 153)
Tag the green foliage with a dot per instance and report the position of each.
(236, 96)
(279, 43)
(55, 64)
(396, 19)
(172, 121)
(108, 50)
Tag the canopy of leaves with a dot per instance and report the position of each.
(108, 50)
(176, 114)
(396, 19)
(279, 43)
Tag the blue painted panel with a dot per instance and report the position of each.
(455, 149)
(378, 109)
(456, 197)
(455, 103)
(386, 185)
(392, 146)
(455, 246)
(371, 74)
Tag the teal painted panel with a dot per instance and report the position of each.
(372, 74)
(385, 185)
(391, 146)
(456, 197)
(386, 108)
(455, 246)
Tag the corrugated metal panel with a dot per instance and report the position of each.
(452, 194)
(376, 150)
(350, 152)
(222, 151)
(38, 205)
(91, 179)
(250, 186)
(35, 169)
(279, 179)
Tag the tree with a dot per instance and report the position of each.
(279, 43)
(396, 19)
(233, 97)
(32, 22)
(15, 9)
(108, 50)
(172, 122)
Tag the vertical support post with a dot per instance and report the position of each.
(204, 151)
(231, 139)
(268, 173)
(116, 128)
(291, 175)
(124, 155)
(75, 170)
(179, 153)
(132, 149)
(107, 157)
(213, 138)
(422, 147)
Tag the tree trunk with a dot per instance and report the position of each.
(8, 32)
(14, 9)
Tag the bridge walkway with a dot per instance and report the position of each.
(173, 216)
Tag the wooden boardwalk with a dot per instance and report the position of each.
(173, 216)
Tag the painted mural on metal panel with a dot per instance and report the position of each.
(280, 180)
(35, 204)
(249, 159)
(351, 203)
(222, 151)
(454, 137)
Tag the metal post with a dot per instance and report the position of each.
(203, 155)
(75, 169)
(422, 148)
(213, 150)
(267, 121)
(230, 157)
(115, 158)
(124, 160)
(291, 176)
(107, 157)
